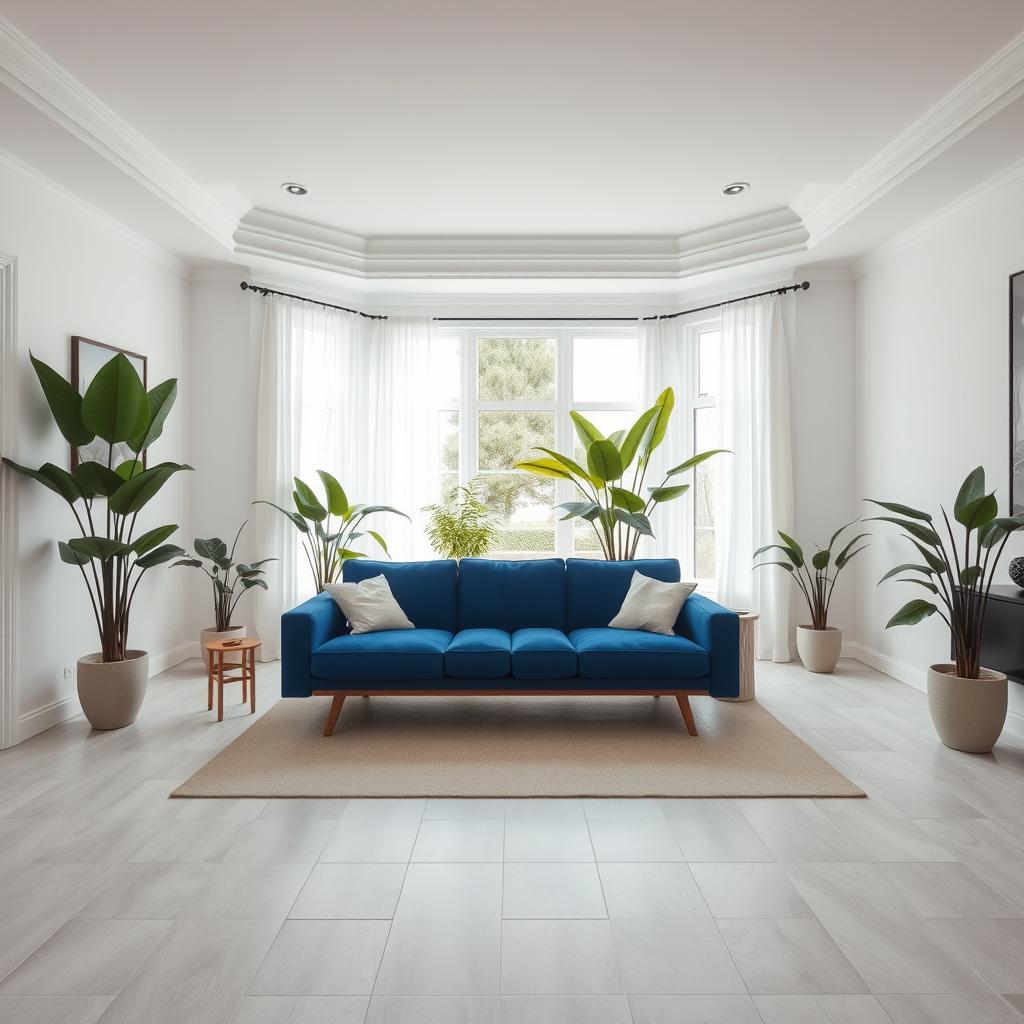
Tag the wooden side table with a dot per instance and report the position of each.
(748, 627)
(218, 648)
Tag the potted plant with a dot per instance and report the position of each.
(329, 528)
(462, 526)
(967, 702)
(110, 552)
(817, 643)
(619, 515)
(228, 582)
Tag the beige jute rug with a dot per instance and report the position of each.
(517, 747)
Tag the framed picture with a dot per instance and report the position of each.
(1017, 393)
(87, 357)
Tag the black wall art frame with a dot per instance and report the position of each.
(1017, 393)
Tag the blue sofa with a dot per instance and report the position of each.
(513, 628)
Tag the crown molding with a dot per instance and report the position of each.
(288, 240)
(39, 79)
(986, 91)
(109, 225)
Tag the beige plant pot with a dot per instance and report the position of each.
(968, 714)
(208, 636)
(111, 692)
(819, 648)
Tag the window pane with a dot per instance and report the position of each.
(448, 433)
(605, 369)
(523, 506)
(584, 539)
(707, 370)
(605, 421)
(516, 370)
(508, 437)
(445, 371)
(705, 430)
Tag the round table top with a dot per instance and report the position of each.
(246, 644)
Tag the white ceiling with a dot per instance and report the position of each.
(571, 117)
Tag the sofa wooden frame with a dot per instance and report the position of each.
(682, 697)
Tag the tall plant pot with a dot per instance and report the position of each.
(209, 636)
(819, 648)
(111, 692)
(968, 714)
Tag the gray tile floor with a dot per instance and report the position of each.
(120, 906)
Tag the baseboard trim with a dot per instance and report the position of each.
(912, 675)
(175, 656)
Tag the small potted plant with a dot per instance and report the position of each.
(229, 582)
(967, 702)
(462, 526)
(817, 643)
(111, 552)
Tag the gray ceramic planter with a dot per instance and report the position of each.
(968, 714)
(111, 692)
(819, 649)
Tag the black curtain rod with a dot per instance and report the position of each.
(801, 287)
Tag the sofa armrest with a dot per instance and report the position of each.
(717, 630)
(303, 630)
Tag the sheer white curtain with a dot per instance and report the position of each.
(349, 395)
(666, 362)
(755, 498)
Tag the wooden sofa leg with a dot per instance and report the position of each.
(684, 707)
(332, 715)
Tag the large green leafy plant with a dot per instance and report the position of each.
(619, 514)
(818, 579)
(463, 526)
(106, 498)
(229, 580)
(958, 565)
(329, 527)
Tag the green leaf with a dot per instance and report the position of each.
(970, 575)
(844, 556)
(569, 464)
(545, 467)
(585, 430)
(71, 556)
(631, 444)
(616, 437)
(307, 502)
(901, 510)
(970, 491)
(65, 404)
(821, 559)
(210, 547)
(337, 501)
(795, 551)
(912, 613)
(129, 468)
(993, 532)
(906, 567)
(58, 480)
(248, 584)
(664, 405)
(631, 502)
(604, 461)
(768, 547)
(937, 564)
(634, 520)
(916, 530)
(379, 539)
(696, 460)
(98, 547)
(847, 555)
(193, 562)
(345, 554)
(927, 584)
(96, 479)
(785, 565)
(835, 536)
(151, 539)
(366, 510)
(660, 494)
(580, 510)
(160, 400)
(159, 555)
(115, 405)
(979, 512)
(293, 517)
(133, 494)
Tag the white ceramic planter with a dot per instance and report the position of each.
(819, 648)
(968, 714)
(111, 692)
(208, 636)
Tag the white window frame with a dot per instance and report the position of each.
(468, 335)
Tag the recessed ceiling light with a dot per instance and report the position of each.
(293, 188)
(737, 188)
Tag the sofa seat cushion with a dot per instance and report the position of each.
(478, 654)
(542, 654)
(634, 654)
(397, 654)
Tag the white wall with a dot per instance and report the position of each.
(77, 274)
(933, 394)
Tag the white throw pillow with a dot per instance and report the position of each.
(652, 605)
(369, 606)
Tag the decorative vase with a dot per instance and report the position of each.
(819, 649)
(211, 635)
(111, 692)
(968, 714)
(1016, 571)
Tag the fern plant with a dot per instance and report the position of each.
(462, 526)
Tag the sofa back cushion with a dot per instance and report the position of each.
(427, 591)
(595, 590)
(511, 595)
